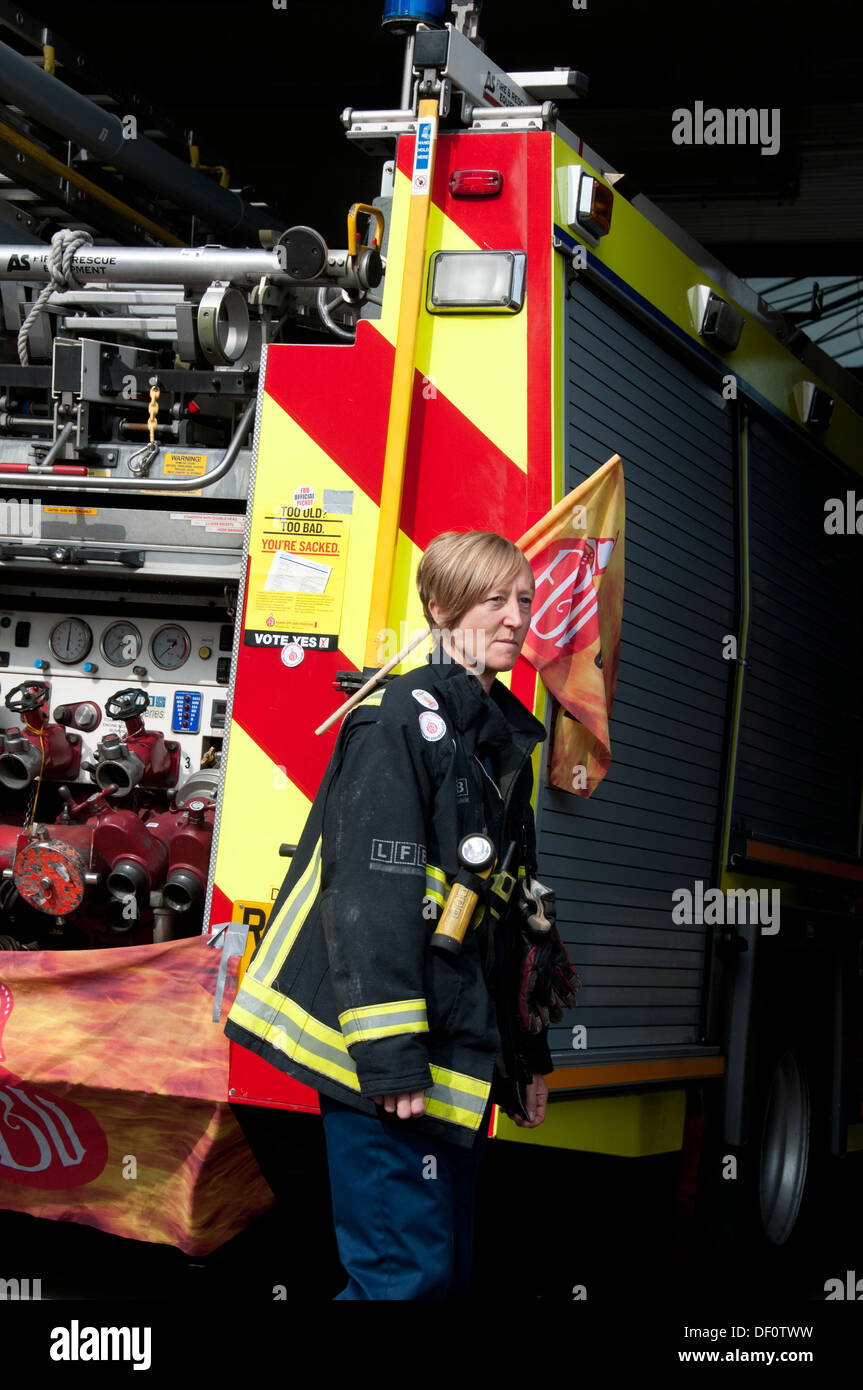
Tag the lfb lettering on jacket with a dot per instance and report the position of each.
(398, 856)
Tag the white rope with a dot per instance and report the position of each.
(64, 245)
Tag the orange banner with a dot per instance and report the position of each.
(576, 553)
(113, 1085)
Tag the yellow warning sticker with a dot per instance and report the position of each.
(298, 554)
(185, 465)
(73, 511)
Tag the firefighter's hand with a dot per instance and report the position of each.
(535, 1099)
(405, 1104)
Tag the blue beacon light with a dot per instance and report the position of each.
(402, 16)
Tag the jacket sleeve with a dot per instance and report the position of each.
(373, 885)
(537, 1054)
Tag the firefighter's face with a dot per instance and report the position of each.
(489, 636)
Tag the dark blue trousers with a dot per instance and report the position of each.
(403, 1205)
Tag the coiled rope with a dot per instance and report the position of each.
(64, 245)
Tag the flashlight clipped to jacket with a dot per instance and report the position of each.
(476, 856)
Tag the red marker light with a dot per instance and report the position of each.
(475, 183)
(194, 408)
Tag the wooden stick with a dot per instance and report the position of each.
(372, 682)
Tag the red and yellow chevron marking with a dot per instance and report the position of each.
(483, 453)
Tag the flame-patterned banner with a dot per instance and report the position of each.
(113, 1084)
(576, 554)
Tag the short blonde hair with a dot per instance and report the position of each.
(460, 568)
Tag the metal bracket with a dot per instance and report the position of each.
(234, 936)
(72, 555)
(509, 118)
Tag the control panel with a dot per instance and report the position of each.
(183, 665)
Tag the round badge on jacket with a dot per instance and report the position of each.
(432, 727)
(424, 698)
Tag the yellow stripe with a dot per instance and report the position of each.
(453, 1113)
(460, 1082)
(247, 861)
(315, 1063)
(270, 1032)
(357, 1025)
(276, 958)
(375, 1010)
(387, 1030)
(280, 1003)
(435, 875)
(493, 394)
(401, 398)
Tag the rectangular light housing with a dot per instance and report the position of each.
(476, 281)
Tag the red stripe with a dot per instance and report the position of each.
(523, 683)
(340, 396)
(221, 907)
(280, 707)
(455, 475)
(493, 223)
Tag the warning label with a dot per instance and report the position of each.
(298, 556)
(185, 465)
(222, 522)
(72, 511)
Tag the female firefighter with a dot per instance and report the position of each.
(408, 1045)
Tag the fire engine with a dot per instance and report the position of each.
(220, 465)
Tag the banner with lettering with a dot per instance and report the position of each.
(113, 1084)
(576, 553)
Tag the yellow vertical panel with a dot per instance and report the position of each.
(406, 614)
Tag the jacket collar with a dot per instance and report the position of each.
(499, 715)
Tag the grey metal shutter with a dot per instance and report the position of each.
(798, 778)
(651, 826)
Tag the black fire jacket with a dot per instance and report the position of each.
(343, 991)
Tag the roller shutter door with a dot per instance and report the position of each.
(651, 826)
(798, 778)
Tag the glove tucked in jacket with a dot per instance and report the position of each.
(547, 980)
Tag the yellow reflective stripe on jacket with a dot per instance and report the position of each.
(456, 1097)
(437, 885)
(384, 1020)
(282, 1024)
(282, 930)
(373, 699)
(279, 1022)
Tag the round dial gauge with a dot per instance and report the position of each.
(121, 643)
(70, 640)
(170, 646)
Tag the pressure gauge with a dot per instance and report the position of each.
(121, 643)
(70, 640)
(170, 646)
